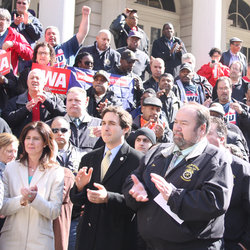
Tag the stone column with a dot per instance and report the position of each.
(59, 13)
(206, 29)
(110, 10)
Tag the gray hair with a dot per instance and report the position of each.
(237, 62)
(104, 31)
(39, 72)
(51, 27)
(188, 56)
(4, 13)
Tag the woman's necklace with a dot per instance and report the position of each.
(32, 169)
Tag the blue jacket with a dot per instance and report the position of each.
(225, 59)
(106, 60)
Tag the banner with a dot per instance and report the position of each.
(57, 79)
(5, 63)
(122, 86)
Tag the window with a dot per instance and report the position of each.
(239, 13)
(155, 34)
(7, 4)
(160, 4)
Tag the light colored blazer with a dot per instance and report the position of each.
(1, 192)
(30, 227)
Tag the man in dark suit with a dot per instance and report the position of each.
(169, 48)
(181, 190)
(107, 223)
(234, 54)
(237, 222)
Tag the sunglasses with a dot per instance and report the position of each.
(41, 53)
(56, 130)
(23, 3)
(88, 63)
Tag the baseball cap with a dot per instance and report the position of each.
(128, 55)
(102, 73)
(235, 39)
(152, 101)
(218, 108)
(187, 66)
(134, 33)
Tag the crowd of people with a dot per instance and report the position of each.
(81, 172)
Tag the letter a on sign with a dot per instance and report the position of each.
(5, 63)
(61, 80)
(57, 79)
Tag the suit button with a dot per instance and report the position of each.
(89, 224)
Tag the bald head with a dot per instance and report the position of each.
(103, 39)
(157, 67)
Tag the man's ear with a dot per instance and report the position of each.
(222, 140)
(125, 130)
(151, 59)
(203, 129)
(87, 101)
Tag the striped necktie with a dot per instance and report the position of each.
(176, 154)
(105, 164)
(77, 122)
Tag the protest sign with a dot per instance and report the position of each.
(5, 63)
(57, 79)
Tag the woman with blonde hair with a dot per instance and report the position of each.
(33, 189)
(8, 152)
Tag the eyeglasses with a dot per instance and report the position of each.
(88, 63)
(41, 53)
(133, 18)
(56, 130)
(23, 3)
(237, 44)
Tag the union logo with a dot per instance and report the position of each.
(189, 171)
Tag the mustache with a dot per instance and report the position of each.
(177, 133)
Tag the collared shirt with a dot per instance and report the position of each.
(195, 150)
(2, 168)
(233, 58)
(170, 42)
(99, 98)
(63, 154)
(35, 110)
(3, 35)
(81, 118)
(99, 51)
(184, 153)
(113, 151)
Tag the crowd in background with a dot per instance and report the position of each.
(47, 139)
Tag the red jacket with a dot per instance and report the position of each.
(20, 48)
(212, 74)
